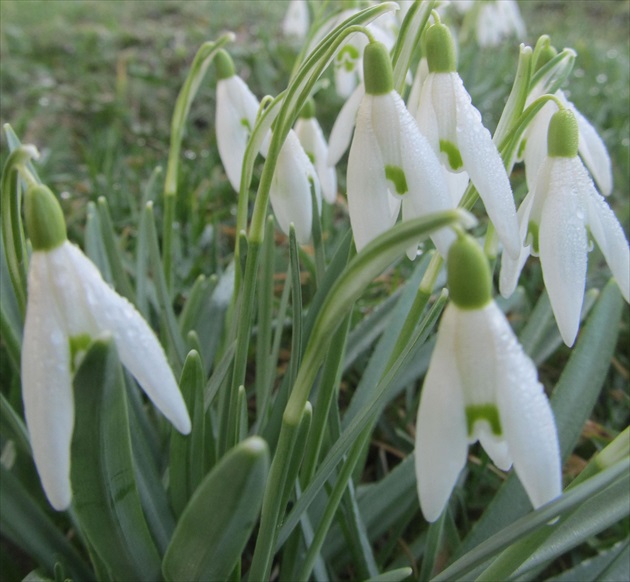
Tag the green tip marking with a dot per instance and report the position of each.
(533, 231)
(396, 176)
(451, 151)
(487, 412)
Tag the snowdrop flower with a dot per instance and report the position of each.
(390, 162)
(481, 386)
(69, 304)
(236, 112)
(295, 21)
(290, 192)
(314, 143)
(554, 217)
(498, 20)
(453, 127)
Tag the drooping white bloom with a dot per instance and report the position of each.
(453, 127)
(554, 217)
(498, 20)
(481, 386)
(390, 162)
(236, 112)
(311, 136)
(295, 22)
(591, 147)
(290, 192)
(69, 304)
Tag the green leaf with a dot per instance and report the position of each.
(393, 575)
(24, 523)
(613, 564)
(187, 465)
(106, 497)
(216, 524)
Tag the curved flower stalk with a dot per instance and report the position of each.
(290, 192)
(69, 304)
(554, 217)
(312, 138)
(390, 163)
(295, 22)
(481, 386)
(453, 127)
(236, 112)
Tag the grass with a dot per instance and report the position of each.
(93, 85)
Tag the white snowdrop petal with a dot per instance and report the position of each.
(138, 347)
(341, 133)
(372, 210)
(608, 233)
(594, 153)
(497, 448)
(536, 143)
(47, 384)
(563, 248)
(511, 268)
(426, 115)
(386, 123)
(441, 443)
(314, 143)
(235, 116)
(422, 72)
(526, 417)
(290, 192)
(486, 170)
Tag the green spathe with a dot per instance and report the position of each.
(440, 49)
(563, 135)
(377, 69)
(224, 65)
(44, 218)
(468, 272)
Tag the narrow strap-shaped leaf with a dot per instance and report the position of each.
(217, 522)
(572, 402)
(106, 497)
(397, 575)
(186, 466)
(24, 523)
(601, 567)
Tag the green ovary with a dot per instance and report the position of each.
(451, 151)
(396, 176)
(487, 412)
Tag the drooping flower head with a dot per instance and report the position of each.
(390, 162)
(481, 386)
(554, 217)
(453, 127)
(312, 138)
(236, 112)
(69, 304)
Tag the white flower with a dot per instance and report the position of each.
(554, 217)
(69, 304)
(236, 112)
(341, 133)
(591, 147)
(453, 127)
(295, 21)
(290, 192)
(499, 20)
(481, 386)
(390, 162)
(314, 143)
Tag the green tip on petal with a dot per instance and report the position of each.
(468, 274)
(563, 135)
(377, 69)
(224, 65)
(440, 48)
(308, 111)
(44, 218)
